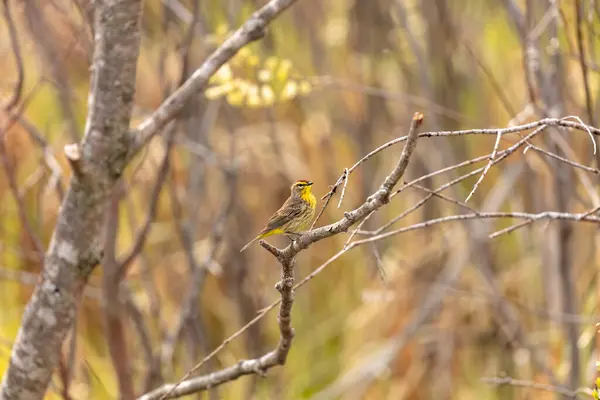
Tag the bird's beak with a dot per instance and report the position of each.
(309, 183)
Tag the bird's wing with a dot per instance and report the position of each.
(288, 211)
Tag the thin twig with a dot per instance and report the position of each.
(426, 198)
(584, 69)
(548, 215)
(441, 171)
(445, 198)
(140, 238)
(412, 100)
(189, 307)
(16, 49)
(54, 182)
(510, 228)
(14, 188)
(563, 159)
(245, 367)
(587, 129)
(345, 175)
(500, 381)
(379, 264)
(487, 167)
(357, 229)
(113, 309)
(503, 154)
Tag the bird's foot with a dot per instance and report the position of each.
(293, 235)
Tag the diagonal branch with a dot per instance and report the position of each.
(253, 29)
(374, 202)
(10, 172)
(14, 43)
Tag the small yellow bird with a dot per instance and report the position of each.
(295, 214)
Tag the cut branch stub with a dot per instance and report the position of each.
(73, 154)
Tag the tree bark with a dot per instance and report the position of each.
(76, 246)
(97, 164)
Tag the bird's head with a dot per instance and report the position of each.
(301, 188)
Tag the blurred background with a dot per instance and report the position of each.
(421, 315)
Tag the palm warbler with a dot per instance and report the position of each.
(295, 214)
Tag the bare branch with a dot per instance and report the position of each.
(56, 172)
(487, 167)
(141, 236)
(113, 308)
(446, 198)
(511, 228)
(573, 394)
(502, 156)
(548, 215)
(252, 30)
(563, 159)
(16, 49)
(563, 122)
(582, 62)
(287, 259)
(14, 188)
(345, 178)
(245, 367)
(271, 249)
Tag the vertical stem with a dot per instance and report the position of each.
(113, 309)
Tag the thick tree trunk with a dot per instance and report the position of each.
(76, 245)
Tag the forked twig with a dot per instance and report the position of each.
(286, 258)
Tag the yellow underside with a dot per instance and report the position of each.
(300, 224)
(277, 231)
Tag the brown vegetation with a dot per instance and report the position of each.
(486, 289)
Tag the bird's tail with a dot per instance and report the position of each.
(250, 243)
(263, 234)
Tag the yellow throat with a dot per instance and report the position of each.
(308, 196)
